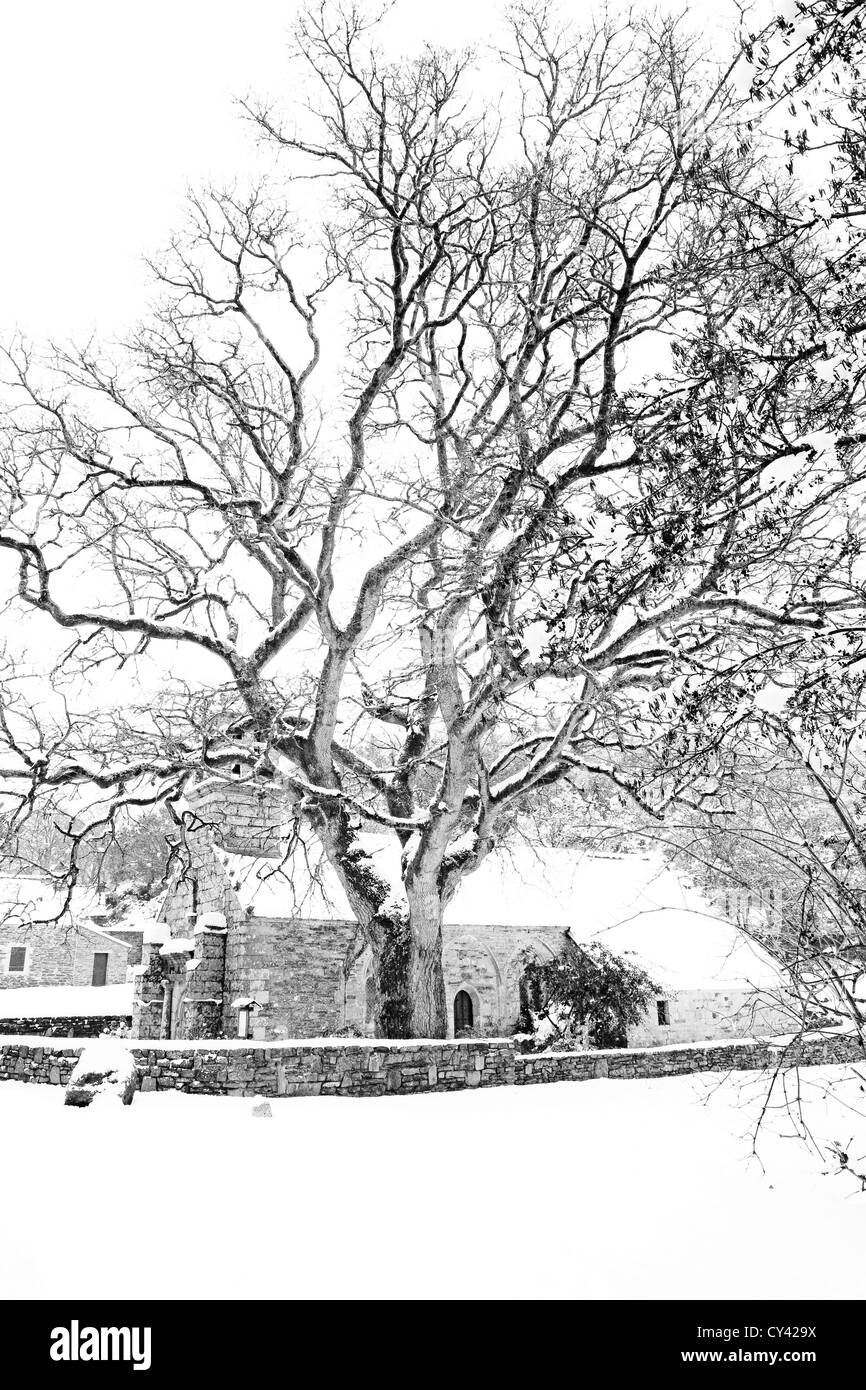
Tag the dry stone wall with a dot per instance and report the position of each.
(643, 1064)
(381, 1069)
(89, 1026)
(52, 1064)
(356, 1069)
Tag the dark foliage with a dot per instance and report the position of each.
(585, 986)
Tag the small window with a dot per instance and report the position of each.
(530, 996)
(370, 999)
(17, 960)
(463, 1012)
(663, 1009)
(100, 968)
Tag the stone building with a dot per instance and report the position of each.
(257, 939)
(37, 951)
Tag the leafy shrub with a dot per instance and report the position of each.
(585, 993)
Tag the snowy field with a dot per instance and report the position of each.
(602, 1189)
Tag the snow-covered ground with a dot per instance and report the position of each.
(66, 1001)
(601, 1189)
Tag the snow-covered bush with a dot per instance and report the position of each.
(586, 995)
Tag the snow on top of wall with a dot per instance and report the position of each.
(176, 945)
(210, 921)
(66, 1001)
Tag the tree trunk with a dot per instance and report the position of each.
(406, 945)
(390, 947)
(426, 983)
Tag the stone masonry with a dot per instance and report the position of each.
(65, 1026)
(295, 972)
(394, 1068)
(57, 954)
(180, 984)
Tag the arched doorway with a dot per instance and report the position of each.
(464, 1013)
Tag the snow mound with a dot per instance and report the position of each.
(105, 1068)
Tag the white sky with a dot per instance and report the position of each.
(110, 111)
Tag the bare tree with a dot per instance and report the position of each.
(527, 457)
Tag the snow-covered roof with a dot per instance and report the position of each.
(685, 949)
(155, 932)
(100, 931)
(631, 903)
(305, 887)
(66, 1001)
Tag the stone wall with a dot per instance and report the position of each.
(132, 940)
(402, 1068)
(487, 962)
(351, 1069)
(52, 1064)
(627, 1064)
(280, 1069)
(180, 984)
(697, 1014)
(240, 817)
(294, 969)
(484, 961)
(203, 886)
(59, 954)
(243, 816)
(79, 1026)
